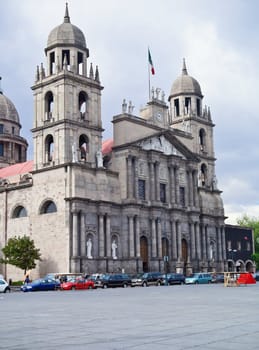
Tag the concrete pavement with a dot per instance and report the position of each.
(206, 317)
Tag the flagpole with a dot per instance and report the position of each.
(149, 83)
(148, 78)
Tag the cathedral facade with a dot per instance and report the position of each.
(147, 200)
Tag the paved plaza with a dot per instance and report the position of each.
(206, 317)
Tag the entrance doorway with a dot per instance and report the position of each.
(184, 255)
(144, 252)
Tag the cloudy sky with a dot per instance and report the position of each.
(219, 40)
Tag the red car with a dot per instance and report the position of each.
(77, 284)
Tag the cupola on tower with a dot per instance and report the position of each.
(67, 101)
(187, 114)
(13, 147)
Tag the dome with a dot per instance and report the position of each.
(185, 84)
(7, 110)
(66, 34)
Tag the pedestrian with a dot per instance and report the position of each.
(27, 280)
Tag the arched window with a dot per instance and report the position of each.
(49, 103)
(202, 139)
(19, 212)
(49, 148)
(83, 146)
(82, 105)
(48, 207)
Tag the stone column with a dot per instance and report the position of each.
(154, 242)
(159, 238)
(172, 187)
(108, 236)
(101, 236)
(131, 236)
(187, 188)
(219, 245)
(75, 233)
(174, 240)
(152, 181)
(191, 188)
(193, 251)
(203, 235)
(177, 195)
(198, 240)
(208, 243)
(136, 177)
(223, 243)
(195, 186)
(157, 183)
(83, 243)
(129, 182)
(137, 237)
(179, 240)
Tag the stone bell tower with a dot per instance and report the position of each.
(67, 101)
(188, 115)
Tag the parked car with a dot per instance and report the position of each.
(217, 278)
(173, 278)
(4, 286)
(95, 277)
(147, 279)
(79, 283)
(198, 278)
(114, 280)
(256, 276)
(41, 284)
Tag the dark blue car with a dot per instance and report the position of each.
(41, 284)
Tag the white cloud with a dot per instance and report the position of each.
(217, 38)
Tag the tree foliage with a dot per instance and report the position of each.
(21, 252)
(253, 223)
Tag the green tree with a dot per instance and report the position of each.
(253, 223)
(21, 252)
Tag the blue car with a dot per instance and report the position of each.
(198, 278)
(41, 284)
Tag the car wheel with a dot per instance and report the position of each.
(73, 288)
(105, 286)
(158, 283)
(90, 287)
(196, 282)
(144, 284)
(125, 285)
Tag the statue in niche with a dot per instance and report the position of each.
(89, 246)
(114, 249)
(99, 159)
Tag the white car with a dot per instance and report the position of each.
(4, 286)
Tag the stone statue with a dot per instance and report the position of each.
(89, 246)
(99, 159)
(131, 107)
(214, 183)
(153, 93)
(114, 249)
(157, 93)
(124, 106)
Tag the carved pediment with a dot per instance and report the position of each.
(161, 144)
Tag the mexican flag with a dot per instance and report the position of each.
(151, 63)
